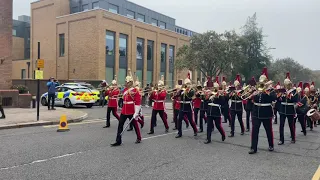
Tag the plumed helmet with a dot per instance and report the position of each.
(306, 87)
(216, 84)
(312, 87)
(129, 78)
(114, 81)
(224, 83)
(299, 88)
(287, 81)
(264, 75)
(209, 83)
(188, 80)
(237, 80)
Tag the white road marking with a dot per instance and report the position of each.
(151, 137)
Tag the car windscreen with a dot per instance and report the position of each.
(89, 86)
(81, 90)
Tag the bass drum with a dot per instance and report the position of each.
(313, 114)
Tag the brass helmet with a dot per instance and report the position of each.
(129, 78)
(224, 83)
(264, 76)
(114, 82)
(306, 88)
(287, 82)
(299, 88)
(216, 84)
(237, 80)
(312, 87)
(161, 82)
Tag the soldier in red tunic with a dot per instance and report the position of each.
(176, 102)
(196, 106)
(113, 94)
(158, 96)
(130, 110)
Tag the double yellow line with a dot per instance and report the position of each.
(316, 175)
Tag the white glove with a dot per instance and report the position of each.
(137, 109)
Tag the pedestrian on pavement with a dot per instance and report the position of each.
(236, 107)
(287, 110)
(3, 116)
(214, 110)
(130, 110)
(52, 84)
(113, 93)
(249, 105)
(262, 112)
(186, 94)
(159, 96)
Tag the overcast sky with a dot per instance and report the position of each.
(292, 26)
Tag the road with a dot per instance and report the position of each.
(85, 153)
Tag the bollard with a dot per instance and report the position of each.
(33, 101)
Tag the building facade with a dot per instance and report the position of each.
(96, 40)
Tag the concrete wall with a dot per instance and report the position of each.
(17, 48)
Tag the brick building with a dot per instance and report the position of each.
(95, 40)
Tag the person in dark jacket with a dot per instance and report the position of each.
(276, 108)
(302, 105)
(3, 116)
(52, 84)
(287, 110)
(249, 106)
(262, 112)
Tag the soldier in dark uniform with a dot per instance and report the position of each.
(236, 107)
(196, 106)
(225, 106)
(214, 111)
(204, 96)
(302, 105)
(277, 103)
(313, 102)
(248, 107)
(262, 112)
(186, 94)
(3, 116)
(287, 109)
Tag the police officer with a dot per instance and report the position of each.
(302, 105)
(3, 116)
(214, 111)
(236, 107)
(262, 112)
(186, 94)
(287, 109)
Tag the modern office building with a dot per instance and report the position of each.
(97, 39)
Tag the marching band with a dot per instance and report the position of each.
(261, 101)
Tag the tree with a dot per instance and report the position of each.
(254, 49)
(210, 53)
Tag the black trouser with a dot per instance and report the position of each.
(275, 113)
(226, 114)
(2, 111)
(202, 116)
(190, 118)
(256, 123)
(217, 122)
(310, 123)
(175, 117)
(51, 98)
(248, 113)
(120, 103)
(291, 126)
(196, 112)
(154, 119)
(233, 119)
(134, 123)
(114, 112)
(302, 120)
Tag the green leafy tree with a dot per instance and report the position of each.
(210, 53)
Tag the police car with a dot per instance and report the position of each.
(68, 96)
(95, 91)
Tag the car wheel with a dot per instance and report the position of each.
(89, 105)
(67, 103)
(44, 101)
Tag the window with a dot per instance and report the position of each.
(139, 74)
(139, 48)
(163, 65)
(61, 45)
(122, 75)
(154, 22)
(163, 52)
(171, 65)
(140, 17)
(110, 43)
(23, 73)
(162, 25)
(130, 14)
(85, 7)
(180, 31)
(27, 56)
(95, 5)
(150, 51)
(113, 8)
(123, 45)
(74, 9)
(149, 76)
(14, 32)
(109, 74)
(150, 61)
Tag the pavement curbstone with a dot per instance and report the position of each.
(42, 123)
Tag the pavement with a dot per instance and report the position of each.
(85, 153)
(19, 117)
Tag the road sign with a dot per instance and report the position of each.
(40, 63)
(39, 74)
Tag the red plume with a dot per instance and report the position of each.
(189, 75)
(278, 85)
(217, 79)
(288, 75)
(265, 72)
(312, 83)
(238, 77)
(223, 79)
(300, 84)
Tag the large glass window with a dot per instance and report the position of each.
(61, 45)
(130, 14)
(162, 25)
(140, 58)
(154, 22)
(23, 73)
(163, 60)
(74, 9)
(150, 51)
(110, 43)
(139, 74)
(85, 7)
(123, 45)
(122, 75)
(95, 5)
(113, 8)
(109, 74)
(140, 17)
(171, 65)
(150, 61)
(149, 76)
(139, 48)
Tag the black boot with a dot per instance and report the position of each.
(178, 136)
(151, 132)
(116, 144)
(138, 141)
(107, 126)
(207, 141)
(252, 151)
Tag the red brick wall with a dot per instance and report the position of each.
(5, 44)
